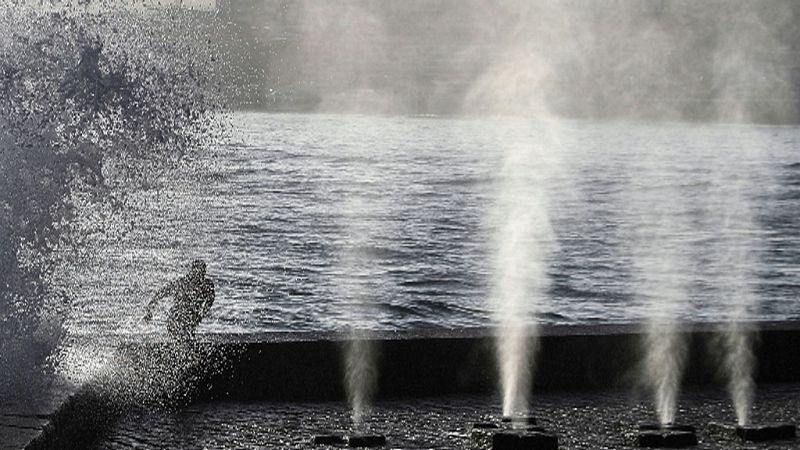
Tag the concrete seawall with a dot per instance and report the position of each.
(441, 363)
(308, 367)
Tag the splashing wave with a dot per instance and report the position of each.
(95, 101)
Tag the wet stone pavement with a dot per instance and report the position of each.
(581, 420)
(24, 414)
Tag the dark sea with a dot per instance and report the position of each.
(330, 222)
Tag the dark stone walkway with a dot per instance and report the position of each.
(24, 415)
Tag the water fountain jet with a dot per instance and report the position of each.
(360, 377)
(663, 365)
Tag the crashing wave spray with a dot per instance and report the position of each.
(88, 111)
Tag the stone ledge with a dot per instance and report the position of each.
(308, 367)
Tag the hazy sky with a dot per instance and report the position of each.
(682, 59)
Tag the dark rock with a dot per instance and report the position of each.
(80, 421)
(366, 440)
(666, 439)
(481, 435)
(767, 432)
(524, 440)
(727, 430)
(329, 439)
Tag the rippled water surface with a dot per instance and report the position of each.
(312, 222)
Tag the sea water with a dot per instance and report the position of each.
(270, 211)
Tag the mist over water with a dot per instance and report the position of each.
(662, 60)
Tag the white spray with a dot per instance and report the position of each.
(361, 376)
(523, 240)
(355, 280)
(519, 219)
(739, 362)
(515, 297)
(735, 259)
(585, 59)
(359, 351)
(665, 346)
(660, 256)
(737, 64)
(663, 365)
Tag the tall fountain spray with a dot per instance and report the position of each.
(663, 365)
(514, 83)
(515, 302)
(358, 270)
(664, 346)
(736, 337)
(661, 258)
(523, 240)
(359, 352)
(739, 362)
(735, 259)
(738, 62)
(360, 377)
